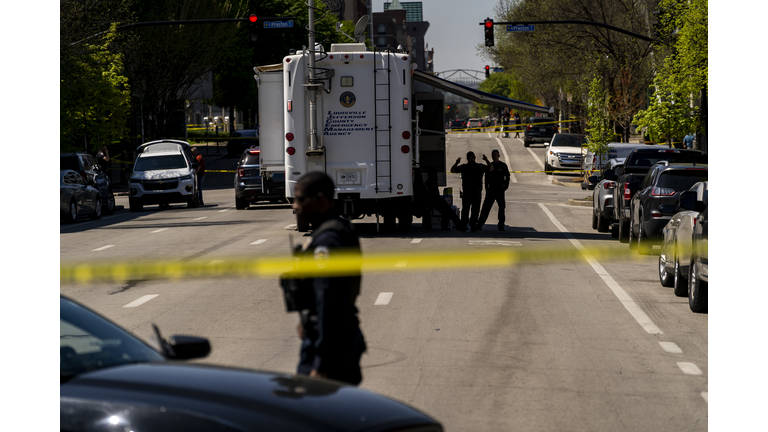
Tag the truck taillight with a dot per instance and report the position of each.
(289, 136)
(609, 185)
(241, 172)
(529, 127)
(406, 135)
(627, 193)
(405, 149)
(290, 151)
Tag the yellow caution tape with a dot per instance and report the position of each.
(338, 264)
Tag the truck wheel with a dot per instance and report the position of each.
(697, 290)
(615, 230)
(301, 226)
(594, 219)
(135, 204)
(681, 283)
(602, 223)
(241, 204)
(632, 240)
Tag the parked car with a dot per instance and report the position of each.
(677, 236)
(76, 197)
(602, 197)
(539, 133)
(636, 165)
(89, 170)
(663, 185)
(564, 152)
(113, 381)
(164, 172)
(592, 163)
(458, 124)
(474, 123)
(698, 277)
(241, 140)
(251, 187)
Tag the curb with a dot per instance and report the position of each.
(566, 184)
(580, 203)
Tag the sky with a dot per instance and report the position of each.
(454, 31)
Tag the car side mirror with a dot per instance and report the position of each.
(688, 200)
(667, 209)
(188, 347)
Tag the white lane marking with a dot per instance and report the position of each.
(102, 248)
(158, 230)
(512, 177)
(541, 164)
(222, 211)
(671, 347)
(489, 135)
(214, 262)
(705, 395)
(258, 242)
(689, 368)
(291, 227)
(629, 304)
(141, 300)
(495, 243)
(416, 241)
(201, 218)
(383, 299)
(402, 263)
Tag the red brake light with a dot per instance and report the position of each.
(405, 149)
(241, 172)
(289, 136)
(609, 185)
(406, 135)
(254, 151)
(290, 151)
(627, 193)
(530, 127)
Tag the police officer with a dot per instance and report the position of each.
(472, 186)
(331, 340)
(496, 184)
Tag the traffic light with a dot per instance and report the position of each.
(487, 71)
(253, 27)
(488, 33)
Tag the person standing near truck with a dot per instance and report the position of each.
(496, 185)
(472, 186)
(200, 173)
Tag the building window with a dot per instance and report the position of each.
(382, 28)
(382, 41)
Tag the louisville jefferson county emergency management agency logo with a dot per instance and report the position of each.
(347, 99)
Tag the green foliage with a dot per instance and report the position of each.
(669, 116)
(505, 84)
(94, 96)
(599, 131)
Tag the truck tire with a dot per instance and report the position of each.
(643, 244)
(632, 240)
(241, 204)
(594, 218)
(615, 230)
(135, 204)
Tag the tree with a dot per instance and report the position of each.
(599, 131)
(505, 84)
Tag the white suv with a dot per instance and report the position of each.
(564, 153)
(164, 173)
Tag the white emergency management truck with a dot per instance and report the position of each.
(362, 118)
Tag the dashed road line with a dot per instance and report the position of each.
(201, 218)
(102, 248)
(541, 164)
(140, 301)
(214, 262)
(633, 308)
(291, 227)
(689, 368)
(415, 241)
(258, 242)
(671, 347)
(383, 299)
(222, 211)
(158, 230)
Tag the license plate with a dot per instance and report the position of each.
(348, 178)
(542, 130)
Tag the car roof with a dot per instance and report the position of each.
(160, 153)
(616, 161)
(145, 147)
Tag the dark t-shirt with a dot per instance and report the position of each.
(471, 176)
(498, 179)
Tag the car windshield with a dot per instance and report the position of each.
(249, 158)
(542, 120)
(88, 342)
(165, 162)
(568, 141)
(681, 180)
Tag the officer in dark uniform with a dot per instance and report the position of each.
(331, 340)
(472, 186)
(496, 184)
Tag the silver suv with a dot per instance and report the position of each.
(164, 172)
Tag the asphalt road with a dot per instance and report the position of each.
(542, 346)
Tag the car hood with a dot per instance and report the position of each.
(236, 399)
(565, 150)
(160, 174)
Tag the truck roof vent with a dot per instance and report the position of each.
(348, 47)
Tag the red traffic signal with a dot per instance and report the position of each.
(253, 27)
(488, 32)
(487, 71)
(253, 18)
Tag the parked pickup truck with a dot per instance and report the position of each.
(636, 166)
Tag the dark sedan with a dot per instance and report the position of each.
(76, 197)
(112, 381)
(251, 186)
(539, 130)
(241, 140)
